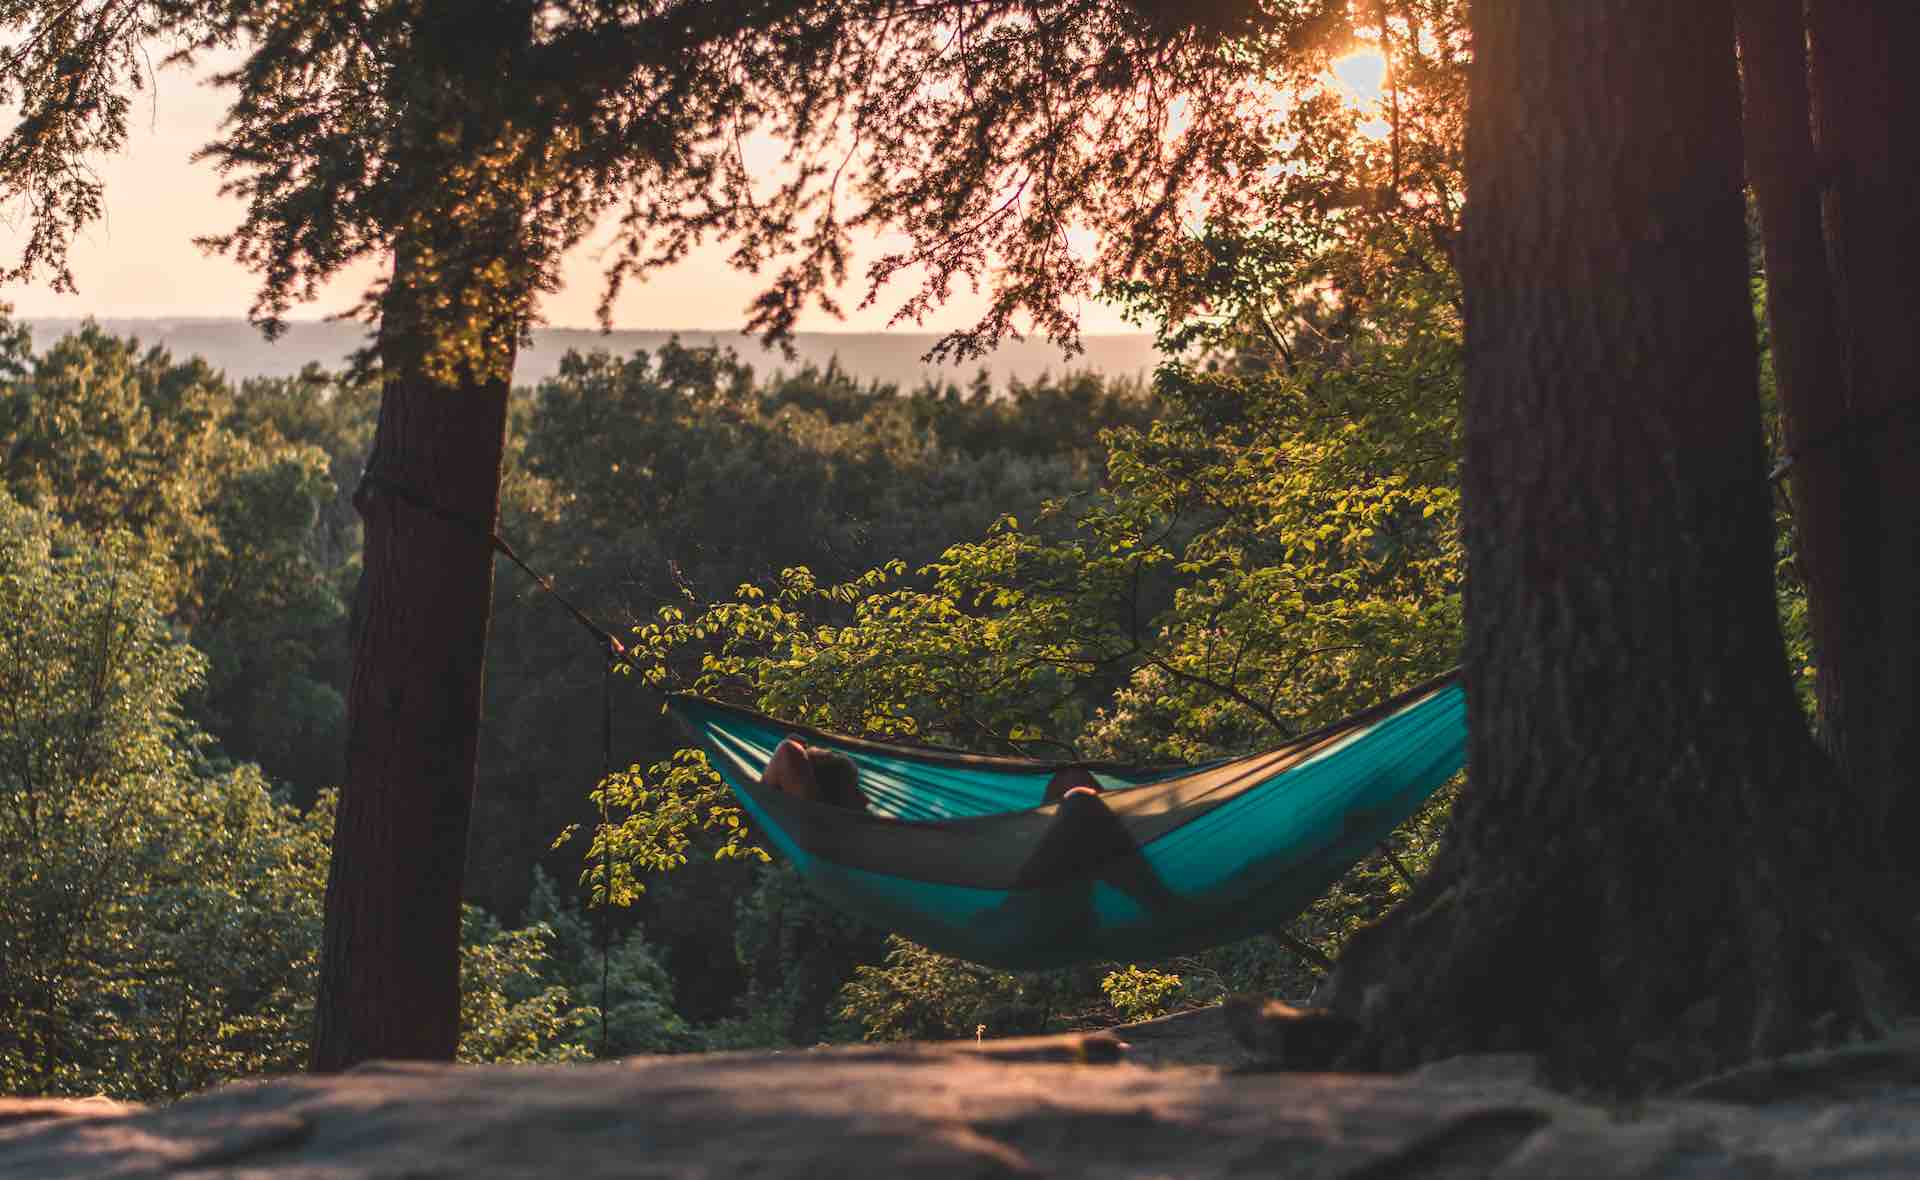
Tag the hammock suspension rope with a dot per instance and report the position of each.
(1144, 898)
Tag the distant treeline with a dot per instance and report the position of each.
(237, 349)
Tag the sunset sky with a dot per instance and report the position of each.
(140, 260)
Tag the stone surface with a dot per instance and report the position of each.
(1200, 1037)
(1037, 1107)
(19, 1116)
(1864, 1068)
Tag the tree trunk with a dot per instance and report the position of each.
(465, 271)
(1863, 578)
(1648, 875)
(1826, 478)
(389, 983)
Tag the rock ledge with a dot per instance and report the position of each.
(1039, 1107)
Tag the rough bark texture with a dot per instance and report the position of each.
(1650, 874)
(1864, 583)
(389, 984)
(451, 319)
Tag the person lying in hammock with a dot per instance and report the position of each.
(815, 774)
(1053, 894)
(1088, 842)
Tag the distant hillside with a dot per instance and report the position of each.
(237, 348)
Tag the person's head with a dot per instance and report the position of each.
(838, 778)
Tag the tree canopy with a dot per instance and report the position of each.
(1280, 536)
(161, 910)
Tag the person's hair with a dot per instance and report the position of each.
(838, 777)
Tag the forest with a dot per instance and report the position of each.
(296, 773)
(182, 554)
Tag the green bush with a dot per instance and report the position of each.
(918, 995)
(1141, 994)
(160, 909)
(161, 913)
(510, 1011)
(632, 982)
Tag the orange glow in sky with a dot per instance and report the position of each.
(1360, 78)
(139, 259)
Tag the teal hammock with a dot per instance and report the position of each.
(964, 854)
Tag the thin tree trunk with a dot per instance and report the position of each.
(1866, 102)
(1826, 479)
(1640, 879)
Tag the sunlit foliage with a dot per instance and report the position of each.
(161, 914)
(1277, 548)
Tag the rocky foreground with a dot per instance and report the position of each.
(1058, 1106)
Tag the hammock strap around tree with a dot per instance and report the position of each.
(371, 480)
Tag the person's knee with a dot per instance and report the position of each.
(1070, 780)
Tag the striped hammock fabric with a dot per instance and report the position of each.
(964, 854)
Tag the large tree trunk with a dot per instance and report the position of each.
(1649, 874)
(389, 982)
(451, 319)
(1862, 557)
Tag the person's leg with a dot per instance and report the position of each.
(1051, 902)
(1088, 839)
(1084, 835)
(1052, 898)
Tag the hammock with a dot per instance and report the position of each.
(963, 853)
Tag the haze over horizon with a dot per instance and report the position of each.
(236, 348)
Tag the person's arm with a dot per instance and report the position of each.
(791, 771)
(1070, 780)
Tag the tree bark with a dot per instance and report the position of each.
(1648, 875)
(451, 319)
(389, 982)
(1864, 573)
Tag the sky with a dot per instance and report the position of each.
(139, 260)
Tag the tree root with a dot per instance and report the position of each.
(1496, 961)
